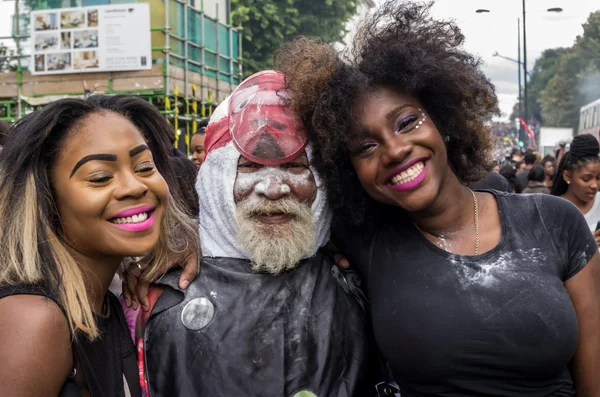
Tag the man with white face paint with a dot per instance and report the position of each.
(269, 314)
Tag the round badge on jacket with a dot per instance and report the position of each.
(197, 313)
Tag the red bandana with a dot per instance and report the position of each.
(258, 121)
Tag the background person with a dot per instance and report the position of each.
(82, 186)
(458, 294)
(549, 164)
(493, 180)
(537, 184)
(560, 152)
(522, 180)
(578, 179)
(516, 156)
(197, 146)
(509, 173)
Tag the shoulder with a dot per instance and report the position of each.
(553, 210)
(556, 206)
(35, 339)
(545, 202)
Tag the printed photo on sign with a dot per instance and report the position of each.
(65, 41)
(39, 63)
(111, 37)
(45, 21)
(85, 39)
(72, 19)
(46, 41)
(59, 61)
(92, 18)
(85, 60)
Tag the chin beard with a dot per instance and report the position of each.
(276, 248)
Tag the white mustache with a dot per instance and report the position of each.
(252, 207)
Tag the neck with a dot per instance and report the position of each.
(97, 274)
(584, 206)
(549, 180)
(449, 212)
(528, 166)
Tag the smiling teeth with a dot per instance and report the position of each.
(408, 175)
(139, 218)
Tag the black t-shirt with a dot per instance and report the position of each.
(109, 362)
(496, 324)
(106, 366)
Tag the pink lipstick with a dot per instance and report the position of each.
(412, 184)
(134, 219)
(404, 167)
(133, 211)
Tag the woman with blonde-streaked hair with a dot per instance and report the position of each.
(83, 185)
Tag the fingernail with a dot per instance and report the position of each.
(185, 284)
(135, 305)
(127, 302)
(145, 308)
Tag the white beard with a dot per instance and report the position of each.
(276, 248)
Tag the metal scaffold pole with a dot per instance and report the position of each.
(19, 75)
(167, 49)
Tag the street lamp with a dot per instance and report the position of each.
(524, 63)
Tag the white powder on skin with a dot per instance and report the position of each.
(488, 272)
(267, 176)
(444, 244)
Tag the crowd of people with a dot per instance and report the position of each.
(338, 231)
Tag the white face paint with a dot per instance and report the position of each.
(269, 178)
(273, 181)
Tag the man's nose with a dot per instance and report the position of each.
(273, 188)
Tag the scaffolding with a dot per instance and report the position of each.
(196, 64)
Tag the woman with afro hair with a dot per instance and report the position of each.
(472, 293)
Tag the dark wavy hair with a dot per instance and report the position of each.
(32, 249)
(536, 174)
(401, 47)
(584, 148)
(186, 173)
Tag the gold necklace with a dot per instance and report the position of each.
(476, 222)
(476, 204)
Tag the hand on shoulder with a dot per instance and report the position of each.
(35, 347)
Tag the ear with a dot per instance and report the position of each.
(566, 176)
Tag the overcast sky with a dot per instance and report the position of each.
(497, 31)
(487, 33)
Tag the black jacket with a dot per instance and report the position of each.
(238, 333)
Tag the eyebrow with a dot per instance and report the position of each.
(397, 110)
(91, 157)
(107, 157)
(137, 150)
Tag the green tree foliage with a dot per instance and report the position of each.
(558, 101)
(543, 71)
(267, 24)
(563, 80)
